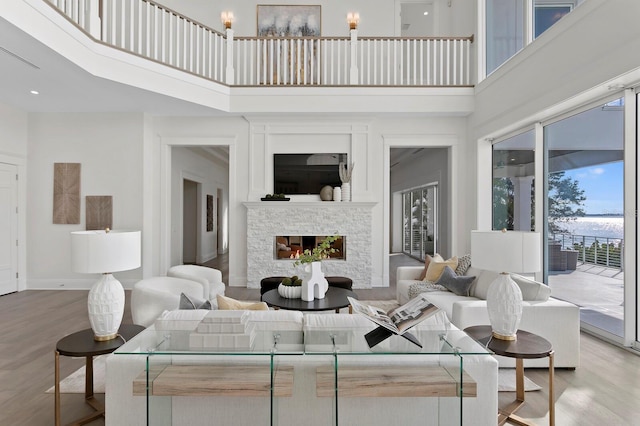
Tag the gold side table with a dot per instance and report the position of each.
(526, 346)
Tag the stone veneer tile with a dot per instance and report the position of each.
(264, 223)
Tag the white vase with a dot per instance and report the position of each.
(290, 291)
(314, 284)
(346, 191)
(337, 194)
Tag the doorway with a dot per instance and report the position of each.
(417, 18)
(190, 221)
(8, 229)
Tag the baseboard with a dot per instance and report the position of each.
(71, 284)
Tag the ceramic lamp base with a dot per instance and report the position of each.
(106, 307)
(504, 304)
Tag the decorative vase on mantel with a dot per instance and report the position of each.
(346, 191)
(314, 284)
(345, 171)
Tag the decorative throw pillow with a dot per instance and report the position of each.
(435, 268)
(187, 302)
(457, 284)
(427, 260)
(236, 305)
(464, 262)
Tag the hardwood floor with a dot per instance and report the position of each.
(605, 390)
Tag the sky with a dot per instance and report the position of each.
(603, 187)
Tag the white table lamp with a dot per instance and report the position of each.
(504, 252)
(104, 252)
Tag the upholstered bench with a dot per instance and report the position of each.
(270, 283)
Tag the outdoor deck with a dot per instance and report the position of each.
(597, 290)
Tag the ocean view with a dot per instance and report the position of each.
(598, 226)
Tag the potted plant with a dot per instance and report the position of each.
(314, 284)
(321, 252)
(290, 288)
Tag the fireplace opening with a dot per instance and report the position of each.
(286, 246)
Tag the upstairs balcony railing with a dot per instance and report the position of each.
(152, 31)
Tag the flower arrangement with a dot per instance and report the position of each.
(321, 252)
(345, 171)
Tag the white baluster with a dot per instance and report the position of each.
(229, 77)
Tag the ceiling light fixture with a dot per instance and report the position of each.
(426, 13)
(34, 92)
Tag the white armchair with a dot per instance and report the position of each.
(150, 297)
(211, 279)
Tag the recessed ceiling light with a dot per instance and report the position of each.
(426, 13)
(34, 92)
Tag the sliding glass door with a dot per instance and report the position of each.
(584, 182)
(420, 222)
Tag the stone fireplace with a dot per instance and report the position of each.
(270, 219)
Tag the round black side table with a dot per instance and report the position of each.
(335, 298)
(526, 346)
(81, 344)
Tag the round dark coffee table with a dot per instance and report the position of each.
(82, 344)
(526, 346)
(334, 299)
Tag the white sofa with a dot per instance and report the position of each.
(555, 320)
(303, 406)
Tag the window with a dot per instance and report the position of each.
(545, 15)
(513, 188)
(420, 221)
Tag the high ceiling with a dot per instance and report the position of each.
(26, 64)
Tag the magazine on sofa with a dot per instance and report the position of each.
(397, 320)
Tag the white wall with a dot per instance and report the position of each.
(566, 61)
(109, 148)
(13, 132)
(13, 150)
(211, 176)
(376, 16)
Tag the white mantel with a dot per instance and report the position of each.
(268, 219)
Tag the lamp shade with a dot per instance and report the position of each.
(506, 251)
(104, 252)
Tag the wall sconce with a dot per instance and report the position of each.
(226, 18)
(353, 19)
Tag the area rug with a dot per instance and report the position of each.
(507, 381)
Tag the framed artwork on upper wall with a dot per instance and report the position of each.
(288, 20)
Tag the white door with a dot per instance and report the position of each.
(8, 229)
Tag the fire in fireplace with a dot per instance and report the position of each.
(286, 246)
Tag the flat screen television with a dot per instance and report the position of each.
(306, 173)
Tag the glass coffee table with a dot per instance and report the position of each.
(328, 367)
(334, 299)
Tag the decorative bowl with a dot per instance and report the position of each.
(290, 291)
